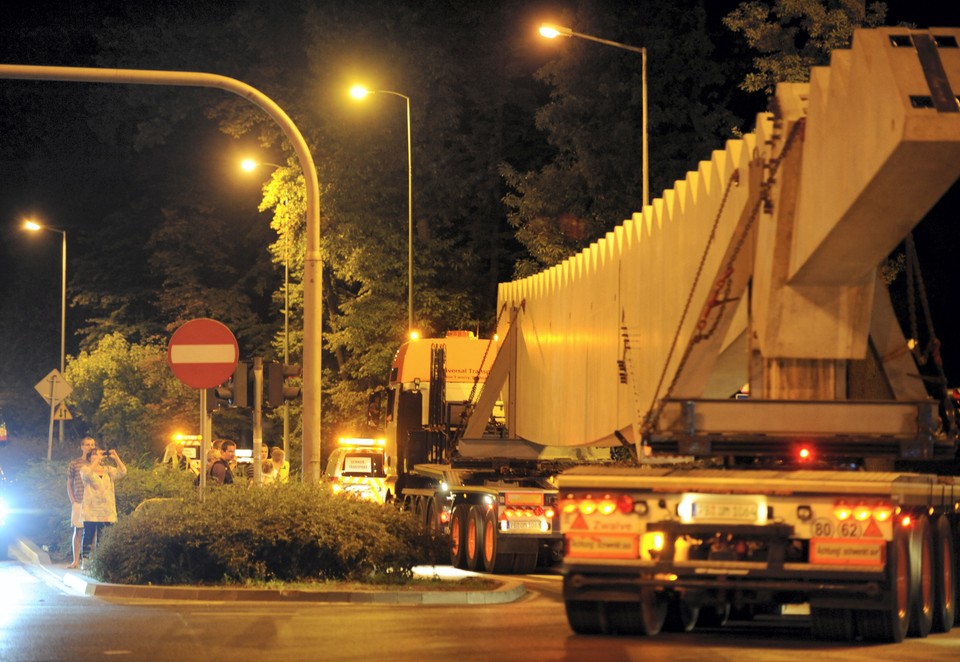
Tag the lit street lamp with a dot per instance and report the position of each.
(33, 226)
(551, 31)
(359, 92)
(249, 165)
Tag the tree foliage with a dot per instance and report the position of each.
(127, 396)
(794, 35)
(593, 180)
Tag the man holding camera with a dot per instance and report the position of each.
(75, 492)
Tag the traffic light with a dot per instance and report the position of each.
(235, 392)
(277, 386)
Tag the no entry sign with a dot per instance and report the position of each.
(203, 353)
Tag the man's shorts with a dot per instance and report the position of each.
(76, 516)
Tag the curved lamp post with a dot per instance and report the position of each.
(359, 92)
(552, 31)
(312, 261)
(33, 226)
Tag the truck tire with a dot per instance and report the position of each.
(431, 523)
(494, 560)
(585, 616)
(524, 564)
(832, 624)
(681, 615)
(458, 529)
(473, 539)
(644, 617)
(714, 616)
(890, 625)
(945, 589)
(922, 577)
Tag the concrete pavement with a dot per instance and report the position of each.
(508, 591)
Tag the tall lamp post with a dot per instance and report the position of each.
(249, 165)
(359, 92)
(551, 31)
(33, 226)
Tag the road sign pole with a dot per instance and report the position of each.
(53, 406)
(204, 443)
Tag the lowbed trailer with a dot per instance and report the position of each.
(493, 496)
(737, 337)
(652, 548)
(496, 523)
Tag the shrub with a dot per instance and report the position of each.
(237, 535)
(43, 485)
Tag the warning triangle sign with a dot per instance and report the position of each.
(579, 523)
(873, 531)
(62, 413)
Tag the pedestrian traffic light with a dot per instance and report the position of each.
(235, 392)
(277, 384)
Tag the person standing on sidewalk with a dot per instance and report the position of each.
(99, 496)
(75, 492)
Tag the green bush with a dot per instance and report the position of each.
(42, 492)
(294, 532)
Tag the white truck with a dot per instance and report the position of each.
(737, 336)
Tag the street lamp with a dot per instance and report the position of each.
(551, 31)
(33, 226)
(359, 92)
(249, 165)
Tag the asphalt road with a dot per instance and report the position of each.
(43, 618)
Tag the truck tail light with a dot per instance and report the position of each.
(879, 511)
(842, 510)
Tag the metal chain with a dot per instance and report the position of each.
(725, 282)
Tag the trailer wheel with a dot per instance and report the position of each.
(714, 617)
(945, 595)
(644, 617)
(890, 625)
(585, 616)
(431, 523)
(473, 540)
(524, 564)
(681, 615)
(922, 576)
(832, 624)
(493, 560)
(458, 558)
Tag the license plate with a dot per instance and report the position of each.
(525, 525)
(735, 512)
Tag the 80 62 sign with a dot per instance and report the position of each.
(825, 528)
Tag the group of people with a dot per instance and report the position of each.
(93, 497)
(222, 464)
(222, 467)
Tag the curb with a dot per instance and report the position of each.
(508, 591)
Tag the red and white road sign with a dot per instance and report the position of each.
(203, 353)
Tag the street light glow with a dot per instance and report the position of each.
(32, 226)
(249, 165)
(359, 91)
(551, 31)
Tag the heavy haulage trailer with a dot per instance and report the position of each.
(494, 496)
(737, 338)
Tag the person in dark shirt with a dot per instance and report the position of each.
(220, 471)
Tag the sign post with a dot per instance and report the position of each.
(202, 354)
(54, 389)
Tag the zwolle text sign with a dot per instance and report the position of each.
(203, 353)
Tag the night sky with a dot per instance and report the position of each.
(46, 182)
